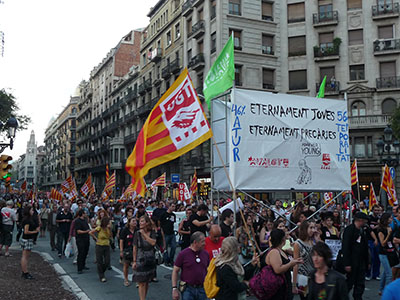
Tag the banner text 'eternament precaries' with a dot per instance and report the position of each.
(283, 142)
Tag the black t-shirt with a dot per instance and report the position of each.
(81, 225)
(167, 222)
(194, 228)
(32, 227)
(320, 291)
(64, 226)
(389, 245)
(225, 230)
(127, 237)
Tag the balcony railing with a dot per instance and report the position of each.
(197, 29)
(165, 72)
(174, 66)
(187, 7)
(130, 138)
(267, 50)
(392, 82)
(147, 84)
(326, 17)
(326, 51)
(268, 86)
(141, 89)
(385, 9)
(156, 54)
(196, 61)
(369, 121)
(332, 87)
(386, 45)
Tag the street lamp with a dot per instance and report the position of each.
(11, 125)
(384, 147)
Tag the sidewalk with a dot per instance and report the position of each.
(45, 285)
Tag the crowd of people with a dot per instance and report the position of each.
(297, 247)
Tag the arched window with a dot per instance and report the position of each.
(358, 109)
(388, 106)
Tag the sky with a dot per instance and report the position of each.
(50, 46)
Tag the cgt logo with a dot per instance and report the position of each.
(326, 161)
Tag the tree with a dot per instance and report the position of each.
(395, 122)
(9, 108)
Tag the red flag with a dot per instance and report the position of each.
(353, 173)
(87, 186)
(176, 125)
(372, 197)
(160, 181)
(23, 186)
(388, 185)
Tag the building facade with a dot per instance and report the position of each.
(27, 165)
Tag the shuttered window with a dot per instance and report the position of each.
(354, 4)
(297, 45)
(356, 37)
(266, 11)
(267, 44)
(385, 32)
(296, 13)
(326, 38)
(268, 79)
(387, 69)
(298, 80)
(329, 72)
(357, 72)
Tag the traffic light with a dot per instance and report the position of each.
(5, 166)
(8, 184)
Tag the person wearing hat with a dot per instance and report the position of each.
(356, 254)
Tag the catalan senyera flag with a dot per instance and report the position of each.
(107, 173)
(160, 181)
(388, 185)
(23, 186)
(66, 185)
(354, 173)
(193, 184)
(92, 189)
(372, 197)
(328, 196)
(85, 189)
(55, 195)
(176, 125)
(73, 193)
(110, 183)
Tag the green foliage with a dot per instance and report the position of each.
(395, 122)
(9, 108)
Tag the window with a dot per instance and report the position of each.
(268, 79)
(177, 31)
(329, 72)
(267, 44)
(169, 40)
(236, 38)
(201, 15)
(297, 45)
(144, 59)
(388, 106)
(385, 5)
(325, 41)
(115, 155)
(387, 69)
(354, 4)
(357, 72)
(369, 146)
(356, 37)
(213, 42)
(298, 80)
(296, 13)
(189, 26)
(213, 9)
(266, 11)
(238, 75)
(385, 32)
(325, 12)
(359, 147)
(176, 4)
(358, 109)
(234, 7)
(189, 54)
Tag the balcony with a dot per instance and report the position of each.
(392, 82)
(267, 50)
(325, 18)
(106, 113)
(114, 125)
(361, 122)
(147, 84)
(389, 10)
(390, 46)
(326, 52)
(115, 107)
(130, 138)
(331, 88)
(165, 72)
(141, 89)
(198, 30)
(197, 62)
(156, 55)
(175, 67)
(157, 81)
(187, 7)
(130, 117)
(268, 86)
(132, 95)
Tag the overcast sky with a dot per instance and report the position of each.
(51, 45)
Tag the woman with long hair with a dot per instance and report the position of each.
(102, 246)
(325, 283)
(30, 230)
(302, 249)
(230, 272)
(184, 229)
(246, 245)
(144, 262)
(126, 246)
(387, 252)
(265, 232)
(281, 263)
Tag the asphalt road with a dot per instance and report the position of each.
(90, 284)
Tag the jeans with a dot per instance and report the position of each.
(192, 293)
(103, 259)
(170, 241)
(83, 249)
(62, 238)
(53, 232)
(375, 262)
(386, 275)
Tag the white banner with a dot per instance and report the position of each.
(284, 142)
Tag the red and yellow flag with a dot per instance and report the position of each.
(372, 197)
(23, 186)
(193, 184)
(354, 173)
(107, 173)
(388, 185)
(87, 186)
(160, 181)
(176, 125)
(110, 183)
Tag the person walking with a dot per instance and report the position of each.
(192, 264)
(227, 219)
(30, 230)
(63, 219)
(184, 229)
(102, 246)
(214, 241)
(52, 226)
(8, 219)
(355, 254)
(167, 221)
(44, 215)
(325, 283)
(126, 247)
(144, 261)
(82, 230)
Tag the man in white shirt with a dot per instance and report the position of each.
(9, 217)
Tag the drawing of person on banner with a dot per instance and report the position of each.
(305, 175)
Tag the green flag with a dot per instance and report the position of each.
(321, 93)
(221, 74)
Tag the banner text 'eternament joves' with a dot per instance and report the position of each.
(281, 142)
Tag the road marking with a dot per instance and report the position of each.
(59, 269)
(168, 268)
(120, 273)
